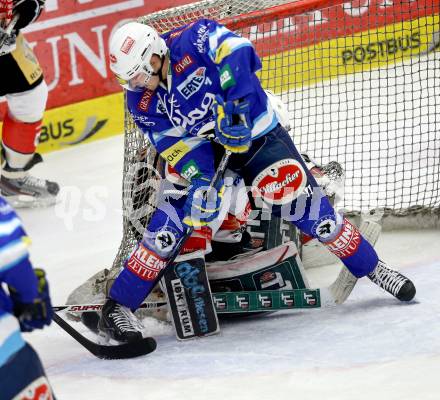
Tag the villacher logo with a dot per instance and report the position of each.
(281, 182)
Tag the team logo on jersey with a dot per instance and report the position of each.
(183, 64)
(144, 104)
(202, 37)
(347, 242)
(226, 77)
(127, 45)
(325, 227)
(190, 170)
(165, 241)
(189, 121)
(281, 182)
(193, 83)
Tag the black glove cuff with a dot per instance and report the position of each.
(28, 11)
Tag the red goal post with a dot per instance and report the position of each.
(361, 81)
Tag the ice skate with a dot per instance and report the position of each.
(117, 322)
(24, 190)
(393, 282)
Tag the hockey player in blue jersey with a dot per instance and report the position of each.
(185, 88)
(25, 306)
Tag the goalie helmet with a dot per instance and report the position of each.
(131, 49)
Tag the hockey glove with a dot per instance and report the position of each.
(37, 314)
(28, 11)
(232, 125)
(202, 205)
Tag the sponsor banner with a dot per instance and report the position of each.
(71, 38)
(346, 55)
(341, 20)
(82, 122)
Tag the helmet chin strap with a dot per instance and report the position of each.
(159, 73)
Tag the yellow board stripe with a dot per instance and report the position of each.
(346, 55)
(103, 117)
(82, 122)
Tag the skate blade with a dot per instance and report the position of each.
(105, 340)
(24, 201)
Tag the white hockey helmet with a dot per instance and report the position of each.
(280, 109)
(131, 49)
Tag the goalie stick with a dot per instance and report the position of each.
(241, 302)
(108, 352)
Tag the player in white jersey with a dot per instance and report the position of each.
(22, 83)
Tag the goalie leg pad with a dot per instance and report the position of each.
(189, 298)
(273, 269)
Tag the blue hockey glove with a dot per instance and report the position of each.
(202, 205)
(37, 314)
(232, 125)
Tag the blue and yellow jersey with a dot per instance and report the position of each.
(206, 59)
(15, 271)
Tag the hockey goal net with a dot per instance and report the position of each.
(361, 81)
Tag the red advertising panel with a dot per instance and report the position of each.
(71, 38)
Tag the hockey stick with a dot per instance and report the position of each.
(239, 302)
(108, 352)
(146, 345)
(219, 172)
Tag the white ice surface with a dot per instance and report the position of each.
(372, 347)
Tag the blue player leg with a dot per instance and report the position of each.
(277, 173)
(150, 256)
(23, 376)
(142, 271)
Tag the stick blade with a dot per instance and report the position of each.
(109, 352)
(126, 350)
